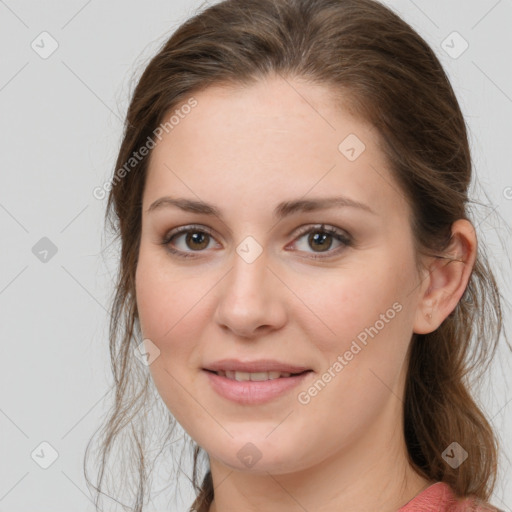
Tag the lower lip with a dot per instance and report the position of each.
(254, 392)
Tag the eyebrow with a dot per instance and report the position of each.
(284, 209)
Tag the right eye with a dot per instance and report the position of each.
(195, 236)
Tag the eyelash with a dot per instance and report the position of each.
(339, 235)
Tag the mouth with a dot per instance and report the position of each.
(256, 376)
(254, 388)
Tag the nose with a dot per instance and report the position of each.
(251, 300)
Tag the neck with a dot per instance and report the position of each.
(357, 478)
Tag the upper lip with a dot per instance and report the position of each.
(260, 365)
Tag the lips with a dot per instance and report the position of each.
(249, 392)
(257, 366)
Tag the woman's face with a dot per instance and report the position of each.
(261, 279)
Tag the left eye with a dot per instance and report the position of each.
(319, 238)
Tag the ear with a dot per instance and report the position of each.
(447, 279)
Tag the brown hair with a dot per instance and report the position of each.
(390, 77)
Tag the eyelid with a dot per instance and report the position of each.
(327, 228)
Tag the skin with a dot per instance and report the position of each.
(245, 150)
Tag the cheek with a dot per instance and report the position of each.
(351, 303)
(175, 310)
(364, 349)
(363, 359)
(169, 310)
(163, 298)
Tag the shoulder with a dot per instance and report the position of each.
(439, 497)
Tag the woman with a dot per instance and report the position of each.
(299, 276)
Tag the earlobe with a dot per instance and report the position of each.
(426, 320)
(447, 279)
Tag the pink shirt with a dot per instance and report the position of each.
(439, 497)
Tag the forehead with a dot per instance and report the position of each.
(274, 139)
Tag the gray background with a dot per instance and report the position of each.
(61, 124)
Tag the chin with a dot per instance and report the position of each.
(257, 456)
